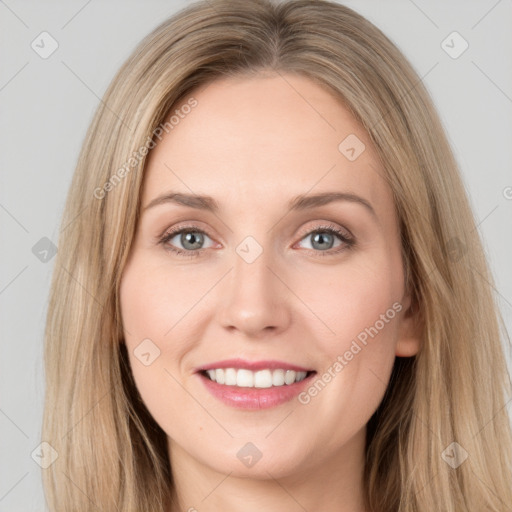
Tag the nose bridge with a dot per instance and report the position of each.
(251, 276)
(253, 298)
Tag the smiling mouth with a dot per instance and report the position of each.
(266, 378)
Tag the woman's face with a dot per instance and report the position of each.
(271, 276)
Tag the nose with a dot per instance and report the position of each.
(255, 298)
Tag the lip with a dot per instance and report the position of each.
(253, 365)
(254, 398)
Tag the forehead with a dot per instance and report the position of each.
(262, 140)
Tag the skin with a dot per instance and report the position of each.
(253, 144)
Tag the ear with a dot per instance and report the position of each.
(410, 330)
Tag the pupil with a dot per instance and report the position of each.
(192, 239)
(319, 237)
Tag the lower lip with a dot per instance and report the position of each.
(254, 398)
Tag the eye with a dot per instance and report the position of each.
(323, 239)
(190, 238)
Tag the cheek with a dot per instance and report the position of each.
(357, 301)
(152, 304)
(361, 304)
(154, 300)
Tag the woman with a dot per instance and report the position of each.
(204, 350)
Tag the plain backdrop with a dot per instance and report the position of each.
(47, 103)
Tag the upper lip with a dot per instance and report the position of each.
(253, 365)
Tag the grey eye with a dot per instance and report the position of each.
(191, 240)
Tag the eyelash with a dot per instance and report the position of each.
(348, 243)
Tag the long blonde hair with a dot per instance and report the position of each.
(111, 453)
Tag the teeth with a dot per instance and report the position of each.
(277, 377)
(219, 376)
(244, 378)
(261, 379)
(230, 377)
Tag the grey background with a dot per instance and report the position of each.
(47, 104)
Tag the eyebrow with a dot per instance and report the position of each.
(298, 203)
